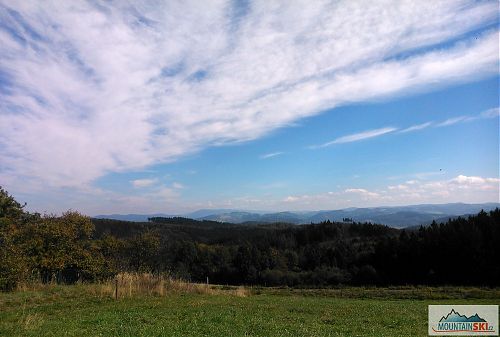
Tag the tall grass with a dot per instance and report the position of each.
(130, 285)
(127, 285)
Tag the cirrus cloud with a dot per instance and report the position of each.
(92, 88)
(357, 137)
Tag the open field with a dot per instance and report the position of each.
(91, 310)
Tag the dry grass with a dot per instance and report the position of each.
(133, 284)
(127, 285)
(31, 321)
(28, 320)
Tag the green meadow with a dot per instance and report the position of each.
(83, 310)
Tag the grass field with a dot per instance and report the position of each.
(81, 311)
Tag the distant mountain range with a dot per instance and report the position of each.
(396, 216)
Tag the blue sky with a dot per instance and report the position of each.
(173, 106)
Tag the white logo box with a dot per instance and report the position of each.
(463, 320)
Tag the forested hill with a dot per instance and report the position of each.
(212, 232)
(463, 251)
(326, 253)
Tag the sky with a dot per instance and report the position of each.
(173, 106)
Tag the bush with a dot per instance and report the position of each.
(12, 265)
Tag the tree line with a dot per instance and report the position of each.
(73, 247)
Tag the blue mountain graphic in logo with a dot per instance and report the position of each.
(454, 316)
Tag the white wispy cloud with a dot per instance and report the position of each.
(490, 113)
(139, 183)
(357, 137)
(363, 192)
(487, 114)
(92, 88)
(271, 155)
(416, 127)
(452, 121)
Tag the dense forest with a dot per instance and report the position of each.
(73, 247)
